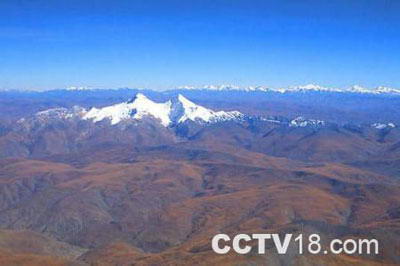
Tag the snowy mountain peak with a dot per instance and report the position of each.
(302, 122)
(359, 89)
(79, 88)
(188, 105)
(184, 100)
(190, 111)
(177, 110)
(383, 126)
(356, 89)
(140, 96)
(137, 108)
(61, 113)
(309, 87)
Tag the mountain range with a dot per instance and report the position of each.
(121, 177)
(303, 88)
(58, 130)
(171, 112)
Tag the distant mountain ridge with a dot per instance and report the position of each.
(175, 111)
(355, 89)
(303, 88)
(143, 122)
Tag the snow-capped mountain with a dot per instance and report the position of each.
(303, 88)
(79, 88)
(182, 110)
(383, 126)
(88, 88)
(174, 111)
(61, 113)
(303, 122)
(138, 108)
(225, 87)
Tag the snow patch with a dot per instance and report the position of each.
(302, 122)
(383, 126)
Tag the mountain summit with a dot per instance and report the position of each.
(174, 111)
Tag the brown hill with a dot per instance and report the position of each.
(165, 203)
(31, 248)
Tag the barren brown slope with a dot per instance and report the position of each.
(168, 208)
(31, 248)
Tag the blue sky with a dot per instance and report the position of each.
(163, 44)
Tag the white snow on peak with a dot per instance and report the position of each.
(138, 108)
(143, 106)
(79, 88)
(194, 112)
(309, 87)
(359, 89)
(224, 87)
(212, 87)
(383, 89)
(171, 112)
(383, 126)
(302, 122)
(61, 113)
(303, 88)
(52, 112)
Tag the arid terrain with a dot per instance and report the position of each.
(77, 191)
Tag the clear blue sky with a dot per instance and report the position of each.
(162, 44)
